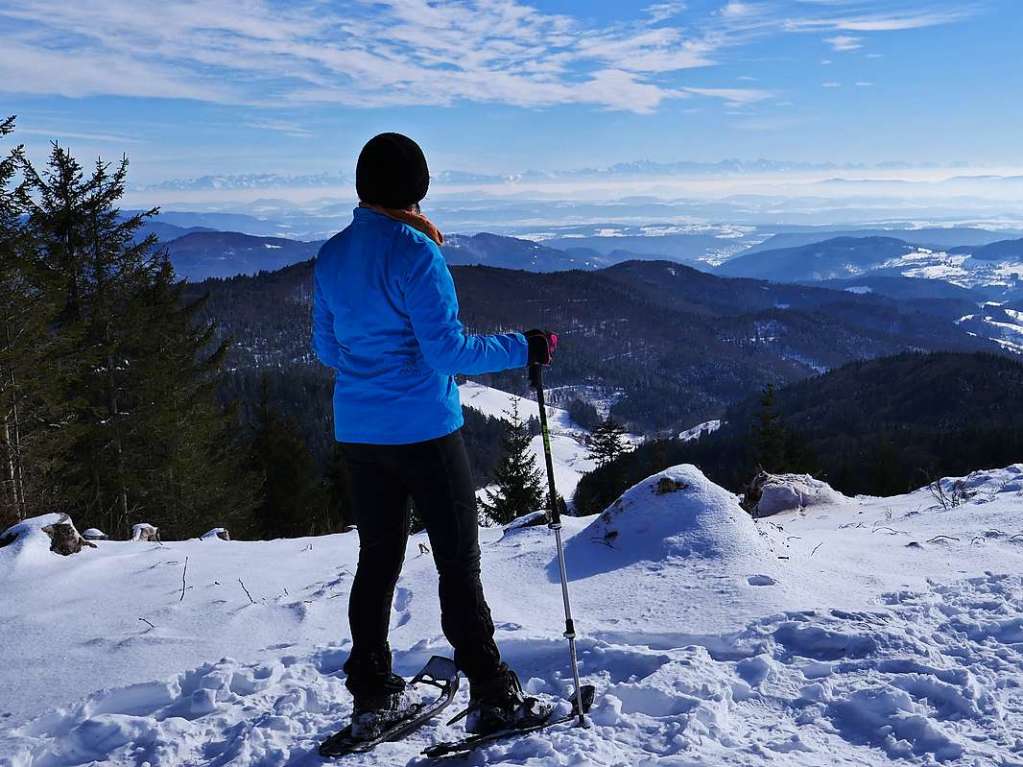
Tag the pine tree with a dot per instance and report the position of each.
(608, 442)
(293, 500)
(136, 429)
(769, 436)
(519, 483)
(25, 346)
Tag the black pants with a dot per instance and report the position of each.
(435, 476)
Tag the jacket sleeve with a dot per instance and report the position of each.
(324, 341)
(433, 308)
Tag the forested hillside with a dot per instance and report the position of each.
(678, 345)
(880, 427)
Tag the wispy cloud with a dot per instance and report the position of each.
(844, 42)
(60, 134)
(375, 53)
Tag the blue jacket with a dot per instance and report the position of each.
(385, 318)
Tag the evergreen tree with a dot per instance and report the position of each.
(519, 483)
(769, 435)
(338, 484)
(22, 344)
(608, 442)
(294, 501)
(26, 382)
(136, 431)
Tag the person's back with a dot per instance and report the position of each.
(387, 322)
(385, 319)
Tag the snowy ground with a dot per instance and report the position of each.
(568, 439)
(845, 634)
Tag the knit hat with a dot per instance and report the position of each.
(392, 172)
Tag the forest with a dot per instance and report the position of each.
(877, 427)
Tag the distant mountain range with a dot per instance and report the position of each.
(200, 255)
(934, 237)
(829, 260)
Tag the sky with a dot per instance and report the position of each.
(189, 89)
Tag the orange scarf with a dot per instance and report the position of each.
(415, 220)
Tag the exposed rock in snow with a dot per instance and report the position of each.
(57, 530)
(216, 534)
(93, 534)
(143, 531)
(770, 494)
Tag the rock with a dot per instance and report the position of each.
(668, 485)
(219, 533)
(64, 538)
(92, 534)
(143, 531)
(769, 494)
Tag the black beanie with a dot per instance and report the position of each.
(391, 172)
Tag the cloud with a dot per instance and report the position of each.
(844, 42)
(60, 134)
(831, 84)
(391, 53)
(735, 96)
(663, 11)
(286, 127)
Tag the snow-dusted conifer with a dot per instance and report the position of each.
(608, 442)
(520, 488)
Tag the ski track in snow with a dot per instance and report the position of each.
(853, 633)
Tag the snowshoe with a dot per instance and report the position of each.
(502, 705)
(374, 715)
(439, 673)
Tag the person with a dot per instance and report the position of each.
(385, 319)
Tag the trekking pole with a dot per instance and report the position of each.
(554, 523)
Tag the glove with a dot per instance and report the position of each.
(541, 346)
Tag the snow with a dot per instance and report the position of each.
(854, 633)
(700, 430)
(568, 446)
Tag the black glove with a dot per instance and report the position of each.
(542, 344)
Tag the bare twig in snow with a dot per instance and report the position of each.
(147, 623)
(816, 547)
(184, 570)
(253, 601)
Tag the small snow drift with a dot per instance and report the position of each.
(94, 534)
(677, 513)
(770, 494)
(216, 534)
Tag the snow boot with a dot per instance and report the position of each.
(499, 704)
(372, 714)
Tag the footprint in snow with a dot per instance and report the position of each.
(760, 580)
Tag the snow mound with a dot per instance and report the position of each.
(788, 492)
(677, 513)
(27, 542)
(983, 486)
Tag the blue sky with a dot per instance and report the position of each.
(502, 86)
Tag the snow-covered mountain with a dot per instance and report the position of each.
(994, 269)
(858, 632)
